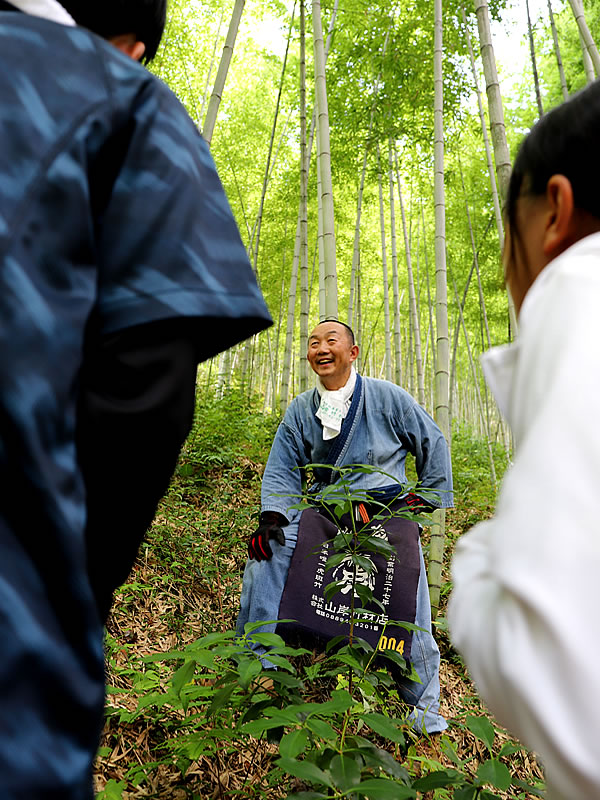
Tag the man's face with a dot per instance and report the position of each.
(331, 353)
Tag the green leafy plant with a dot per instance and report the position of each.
(321, 725)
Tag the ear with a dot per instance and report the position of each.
(353, 353)
(560, 225)
(128, 44)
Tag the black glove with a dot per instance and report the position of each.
(270, 527)
(417, 505)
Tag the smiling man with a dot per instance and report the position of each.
(348, 419)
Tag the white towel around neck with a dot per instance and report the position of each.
(335, 406)
(47, 9)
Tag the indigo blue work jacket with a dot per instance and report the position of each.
(388, 425)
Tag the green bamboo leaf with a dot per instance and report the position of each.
(438, 779)
(247, 671)
(332, 589)
(509, 749)
(365, 594)
(340, 701)
(465, 793)
(305, 770)
(268, 639)
(364, 563)
(257, 727)
(334, 643)
(536, 791)
(335, 559)
(293, 743)
(447, 747)
(171, 656)
(280, 662)
(213, 638)
(379, 545)
(250, 627)
(205, 658)
(220, 698)
(376, 757)
(345, 772)
(183, 675)
(384, 726)
(483, 729)
(382, 789)
(113, 790)
(321, 728)
(494, 772)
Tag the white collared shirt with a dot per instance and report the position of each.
(525, 582)
(47, 9)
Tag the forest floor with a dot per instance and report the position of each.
(186, 585)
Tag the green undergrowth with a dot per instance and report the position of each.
(191, 713)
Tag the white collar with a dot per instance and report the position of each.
(47, 9)
(499, 363)
(335, 405)
(498, 366)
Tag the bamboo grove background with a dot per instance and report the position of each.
(366, 160)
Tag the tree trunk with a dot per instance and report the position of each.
(536, 80)
(320, 239)
(486, 140)
(501, 152)
(324, 156)
(588, 64)
(289, 346)
(217, 93)
(561, 70)
(356, 249)
(436, 552)
(259, 217)
(395, 284)
(386, 292)
(212, 64)
(429, 299)
(304, 301)
(484, 421)
(412, 297)
(588, 42)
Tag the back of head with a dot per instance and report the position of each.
(563, 142)
(109, 18)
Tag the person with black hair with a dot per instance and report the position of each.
(525, 581)
(121, 267)
(363, 421)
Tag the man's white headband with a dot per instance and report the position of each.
(48, 9)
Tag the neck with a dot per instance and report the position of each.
(333, 384)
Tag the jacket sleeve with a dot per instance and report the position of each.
(282, 479)
(432, 459)
(525, 581)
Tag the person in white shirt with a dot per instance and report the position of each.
(524, 597)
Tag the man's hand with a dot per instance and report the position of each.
(417, 505)
(270, 527)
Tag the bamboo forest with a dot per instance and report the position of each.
(365, 147)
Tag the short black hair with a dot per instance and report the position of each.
(563, 142)
(339, 322)
(107, 18)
